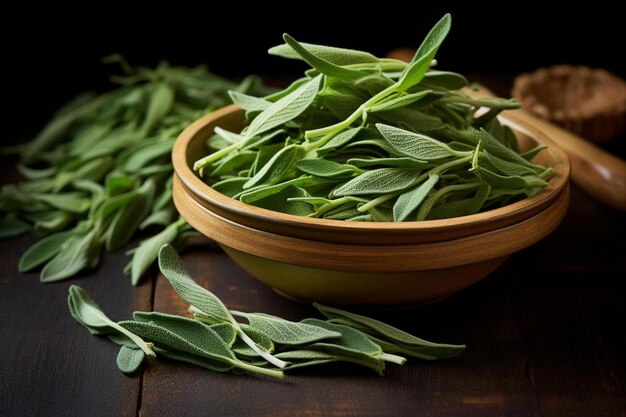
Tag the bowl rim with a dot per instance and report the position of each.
(205, 194)
(340, 256)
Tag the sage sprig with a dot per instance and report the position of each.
(266, 345)
(99, 173)
(401, 139)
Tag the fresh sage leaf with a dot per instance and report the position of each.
(415, 145)
(129, 360)
(286, 332)
(86, 312)
(43, 250)
(285, 109)
(410, 200)
(11, 227)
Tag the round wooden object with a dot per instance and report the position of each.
(362, 263)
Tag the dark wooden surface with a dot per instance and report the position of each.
(545, 335)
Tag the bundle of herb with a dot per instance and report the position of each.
(363, 138)
(100, 171)
(265, 345)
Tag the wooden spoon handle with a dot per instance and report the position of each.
(598, 172)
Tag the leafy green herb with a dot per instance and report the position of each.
(390, 334)
(87, 313)
(100, 171)
(214, 340)
(129, 360)
(402, 137)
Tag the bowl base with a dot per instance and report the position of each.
(403, 289)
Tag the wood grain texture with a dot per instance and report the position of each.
(49, 364)
(546, 336)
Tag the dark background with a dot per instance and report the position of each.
(51, 55)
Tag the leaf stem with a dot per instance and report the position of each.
(330, 131)
(389, 357)
(262, 353)
(201, 163)
(142, 344)
(258, 369)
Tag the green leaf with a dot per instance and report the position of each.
(342, 105)
(254, 194)
(531, 153)
(172, 268)
(77, 253)
(398, 162)
(322, 65)
(192, 331)
(415, 145)
(505, 167)
(409, 201)
(281, 202)
(337, 56)
(71, 201)
(277, 169)
(326, 169)
(52, 221)
(402, 101)
(129, 217)
(249, 103)
(389, 333)
(211, 346)
(499, 181)
(35, 174)
(377, 181)
(86, 312)
(285, 109)
(340, 139)
(420, 63)
(146, 155)
(129, 360)
(410, 119)
(492, 145)
(44, 250)
(226, 331)
(242, 349)
(463, 207)
(11, 227)
(204, 342)
(233, 162)
(444, 79)
(192, 359)
(161, 101)
(286, 332)
(352, 342)
(148, 250)
(230, 186)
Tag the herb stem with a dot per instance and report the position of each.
(330, 131)
(146, 347)
(389, 357)
(378, 200)
(201, 163)
(430, 202)
(262, 353)
(258, 369)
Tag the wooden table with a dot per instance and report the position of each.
(545, 335)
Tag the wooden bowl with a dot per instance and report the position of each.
(360, 262)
